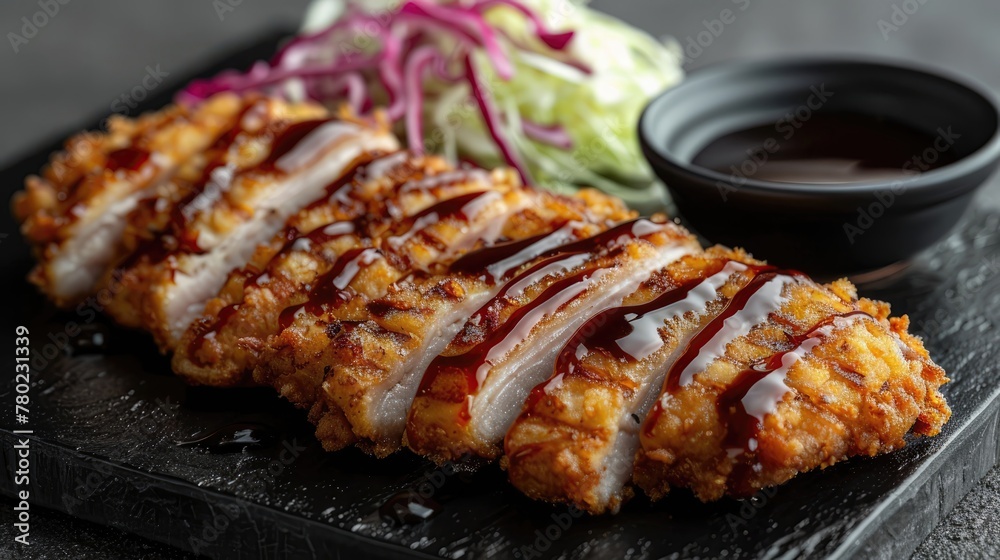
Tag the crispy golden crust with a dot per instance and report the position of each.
(291, 361)
(561, 446)
(97, 170)
(857, 392)
(222, 350)
(297, 360)
(821, 375)
(172, 219)
(443, 424)
(203, 237)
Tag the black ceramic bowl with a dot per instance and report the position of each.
(824, 229)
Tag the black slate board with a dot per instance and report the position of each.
(106, 424)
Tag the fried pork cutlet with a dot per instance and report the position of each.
(319, 260)
(472, 391)
(721, 375)
(74, 213)
(279, 158)
(458, 312)
(296, 361)
(377, 364)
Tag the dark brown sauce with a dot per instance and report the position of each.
(156, 249)
(514, 254)
(409, 507)
(295, 243)
(826, 149)
(614, 331)
(288, 139)
(735, 308)
(335, 192)
(743, 428)
(500, 260)
(221, 320)
(331, 289)
(130, 159)
(509, 334)
(613, 237)
(549, 259)
(456, 207)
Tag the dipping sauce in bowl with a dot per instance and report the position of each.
(833, 149)
(837, 167)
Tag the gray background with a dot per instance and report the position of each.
(89, 54)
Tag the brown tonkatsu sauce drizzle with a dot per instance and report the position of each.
(129, 159)
(288, 139)
(677, 375)
(325, 294)
(551, 261)
(331, 289)
(176, 236)
(156, 249)
(497, 262)
(512, 332)
(612, 328)
(631, 333)
(742, 427)
(512, 255)
(488, 316)
(735, 307)
(318, 235)
(452, 207)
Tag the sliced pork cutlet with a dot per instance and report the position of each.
(152, 227)
(221, 348)
(473, 391)
(376, 365)
(790, 376)
(296, 360)
(271, 172)
(575, 439)
(74, 213)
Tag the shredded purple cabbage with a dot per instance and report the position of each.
(393, 73)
